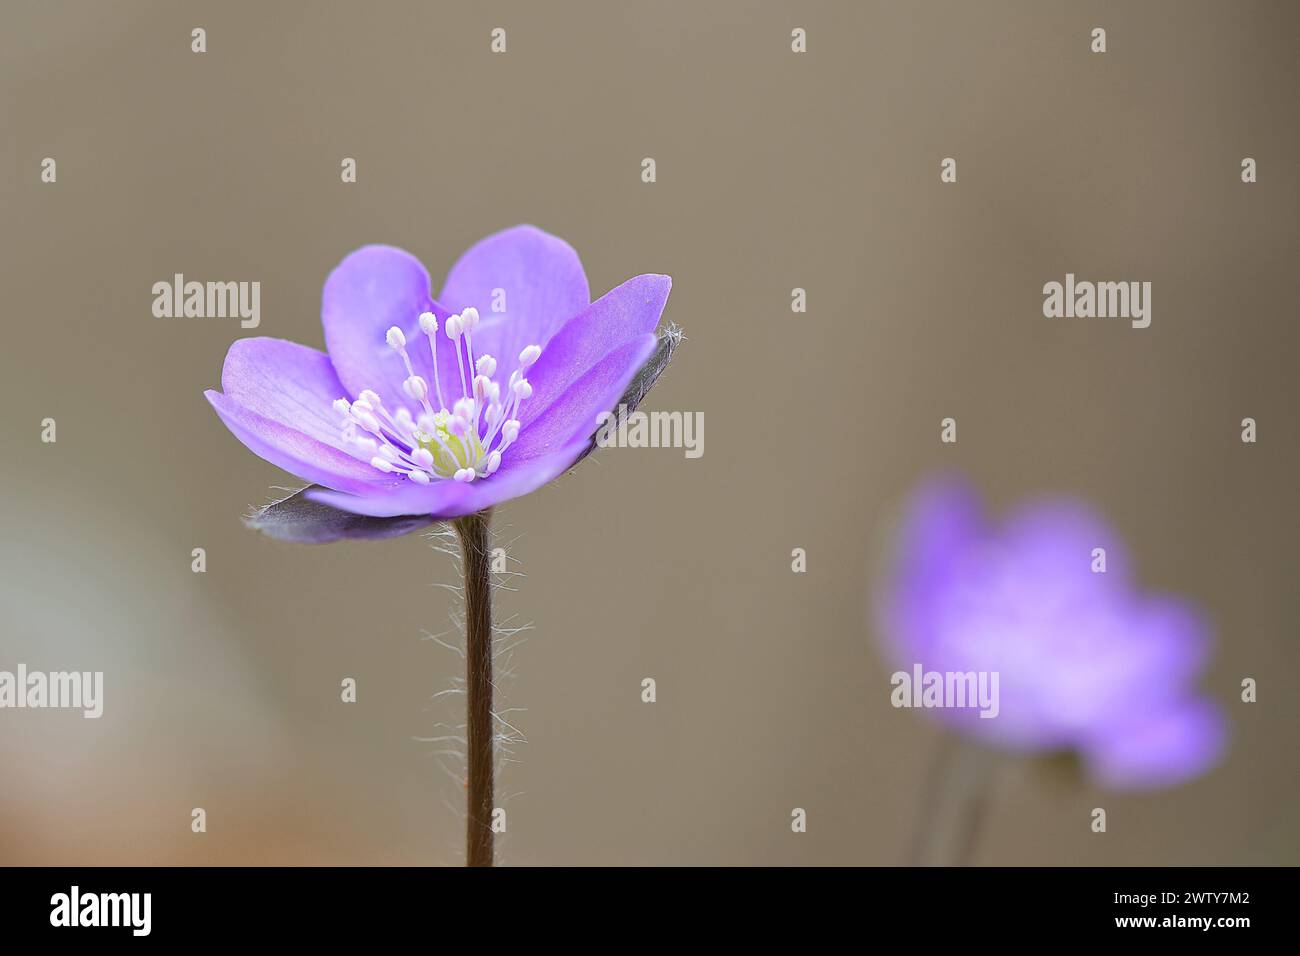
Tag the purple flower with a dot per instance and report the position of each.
(443, 407)
(1086, 661)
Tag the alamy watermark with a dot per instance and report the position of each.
(943, 689)
(75, 908)
(658, 429)
(54, 690)
(1103, 300)
(208, 300)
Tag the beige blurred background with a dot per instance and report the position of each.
(775, 170)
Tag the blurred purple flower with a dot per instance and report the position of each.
(1086, 661)
(422, 410)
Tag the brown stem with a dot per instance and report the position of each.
(473, 533)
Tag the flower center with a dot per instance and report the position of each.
(425, 443)
(450, 452)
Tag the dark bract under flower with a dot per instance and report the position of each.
(421, 410)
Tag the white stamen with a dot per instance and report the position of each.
(416, 388)
(429, 325)
(424, 444)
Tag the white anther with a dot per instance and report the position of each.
(464, 474)
(486, 365)
(464, 408)
(510, 430)
(381, 464)
(453, 326)
(366, 421)
(458, 426)
(529, 355)
(419, 477)
(493, 462)
(469, 318)
(422, 457)
(428, 323)
(428, 422)
(481, 383)
(342, 406)
(371, 398)
(416, 388)
(523, 389)
(395, 338)
(493, 413)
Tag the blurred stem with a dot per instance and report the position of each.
(472, 530)
(954, 804)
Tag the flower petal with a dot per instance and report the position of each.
(369, 292)
(287, 383)
(452, 499)
(938, 525)
(1053, 539)
(666, 345)
(942, 519)
(1159, 750)
(297, 453)
(572, 416)
(619, 315)
(540, 278)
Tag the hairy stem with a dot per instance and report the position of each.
(954, 804)
(473, 533)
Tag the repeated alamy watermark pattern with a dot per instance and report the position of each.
(53, 690)
(946, 689)
(658, 429)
